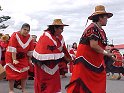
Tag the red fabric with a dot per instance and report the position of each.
(73, 54)
(63, 64)
(13, 75)
(34, 44)
(30, 64)
(24, 62)
(63, 68)
(31, 67)
(46, 83)
(3, 48)
(119, 57)
(91, 79)
(42, 45)
(71, 66)
(4, 44)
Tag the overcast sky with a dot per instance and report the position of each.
(40, 13)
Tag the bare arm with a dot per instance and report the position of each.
(15, 61)
(94, 45)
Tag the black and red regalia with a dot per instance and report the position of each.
(89, 75)
(47, 54)
(117, 56)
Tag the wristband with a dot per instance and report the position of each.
(105, 52)
(112, 56)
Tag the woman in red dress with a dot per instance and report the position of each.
(17, 57)
(31, 70)
(3, 44)
(88, 72)
(118, 56)
(72, 52)
(49, 51)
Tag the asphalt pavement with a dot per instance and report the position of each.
(113, 86)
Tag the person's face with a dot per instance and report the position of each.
(25, 31)
(34, 38)
(59, 30)
(103, 20)
(75, 45)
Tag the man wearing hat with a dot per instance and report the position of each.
(88, 72)
(49, 51)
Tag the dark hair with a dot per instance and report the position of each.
(74, 44)
(51, 28)
(25, 25)
(96, 17)
(111, 45)
(34, 36)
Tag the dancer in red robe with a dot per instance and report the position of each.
(88, 72)
(17, 57)
(31, 70)
(118, 56)
(73, 52)
(49, 51)
(3, 44)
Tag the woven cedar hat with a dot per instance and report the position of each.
(58, 22)
(100, 9)
(5, 38)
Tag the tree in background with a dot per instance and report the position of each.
(2, 19)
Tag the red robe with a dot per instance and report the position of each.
(119, 57)
(88, 74)
(49, 49)
(73, 55)
(23, 48)
(3, 46)
(31, 64)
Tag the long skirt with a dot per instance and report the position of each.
(14, 75)
(84, 80)
(46, 83)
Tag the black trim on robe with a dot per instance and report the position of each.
(89, 66)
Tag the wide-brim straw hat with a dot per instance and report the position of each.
(5, 38)
(100, 9)
(58, 22)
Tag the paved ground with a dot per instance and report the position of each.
(113, 86)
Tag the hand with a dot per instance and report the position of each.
(107, 53)
(30, 61)
(67, 59)
(15, 61)
(115, 59)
